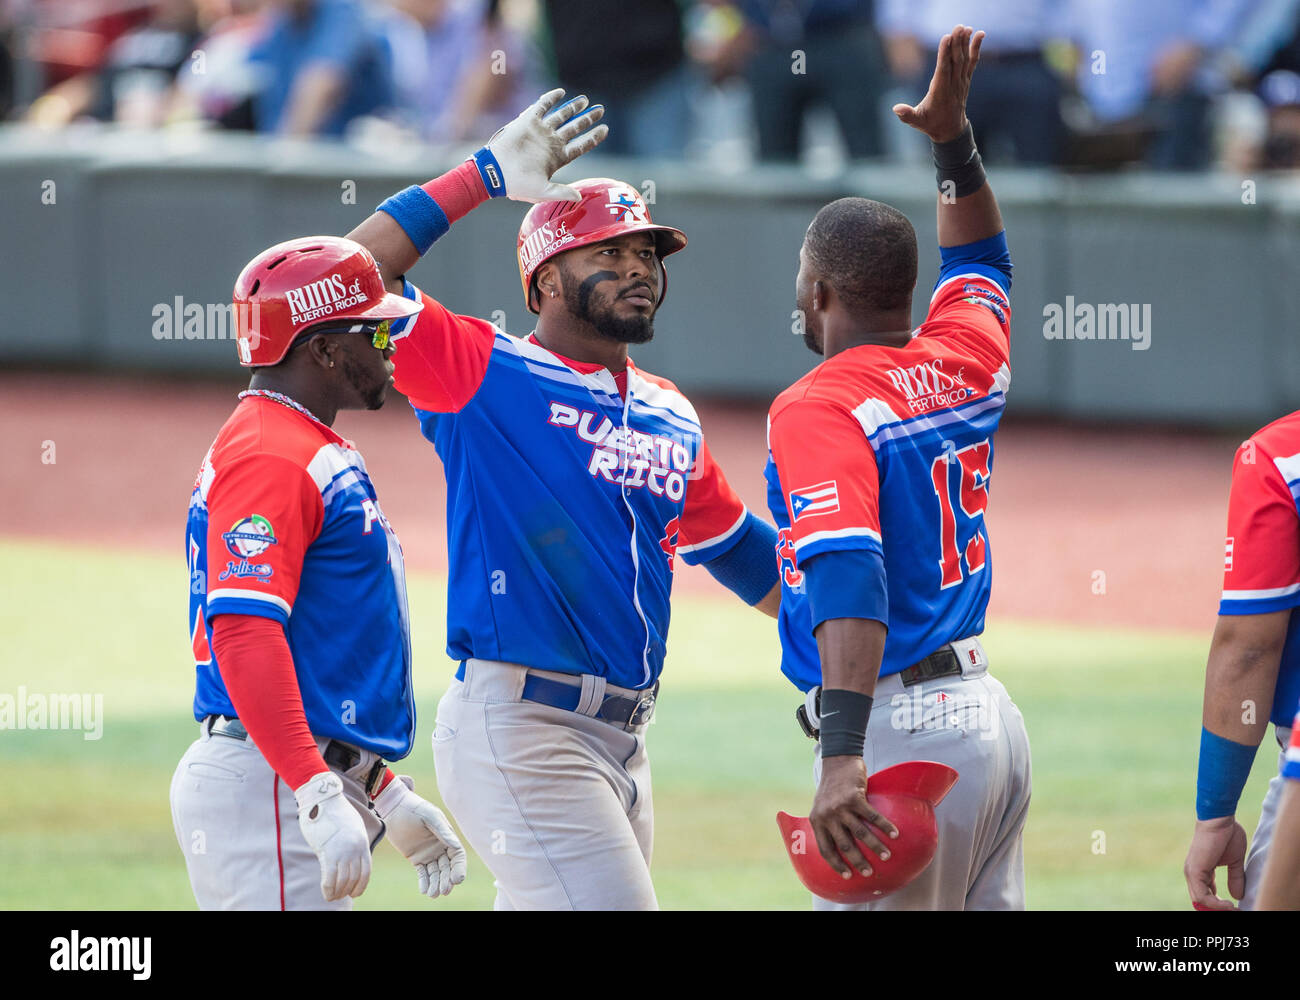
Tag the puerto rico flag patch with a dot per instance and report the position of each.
(824, 498)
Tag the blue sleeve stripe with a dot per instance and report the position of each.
(1258, 605)
(748, 568)
(247, 606)
(989, 257)
(846, 585)
(860, 543)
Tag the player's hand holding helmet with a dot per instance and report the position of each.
(421, 832)
(547, 136)
(334, 830)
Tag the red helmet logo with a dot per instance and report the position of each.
(907, 794)
(294, 286)
(608, 208)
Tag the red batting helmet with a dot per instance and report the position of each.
(907, 794)
(608, 208)
(303, 283)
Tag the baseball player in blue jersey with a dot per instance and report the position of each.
(880, 462)
(575, 481)
(297, 610)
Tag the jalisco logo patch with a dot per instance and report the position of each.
(247, 539)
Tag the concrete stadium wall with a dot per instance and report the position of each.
(104, 230)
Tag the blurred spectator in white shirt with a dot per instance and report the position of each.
(1015, 100)
(1155, 63)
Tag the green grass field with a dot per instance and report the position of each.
(84, 824)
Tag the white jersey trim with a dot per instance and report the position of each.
(652, 395)
(544, 364)
(1289, 467)
(716, 539)
(328, 462)
(238, 594)
(821, 536)
(873, 414)
(1260, 595)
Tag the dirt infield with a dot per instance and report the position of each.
(1088, 526)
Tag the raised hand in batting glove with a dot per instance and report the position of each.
(421, 832)
(519, 160)
(334, 830)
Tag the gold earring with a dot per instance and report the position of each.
(331, 364)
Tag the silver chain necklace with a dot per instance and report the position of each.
(283, 400)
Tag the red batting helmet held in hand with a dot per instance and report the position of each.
(906, 794)
(303, 283)
(608, 208)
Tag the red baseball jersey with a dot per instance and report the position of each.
(1261, 554)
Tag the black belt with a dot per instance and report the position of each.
(338, 755)
(615, 709)
(942, 663)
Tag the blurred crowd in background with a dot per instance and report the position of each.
(1082, 84)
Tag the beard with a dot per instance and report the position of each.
(583, 302)
(810, 342)
(371, 393)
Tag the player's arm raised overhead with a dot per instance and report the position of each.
(441, 364)
(967, 210)
(516, 163)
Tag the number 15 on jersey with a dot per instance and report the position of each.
(961, 482)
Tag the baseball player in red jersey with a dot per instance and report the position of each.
(1252, 675)
(575, 482)
(298, 610)
(879, 473)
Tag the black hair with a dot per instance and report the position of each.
(866, 251)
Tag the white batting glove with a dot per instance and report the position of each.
(421, 832)
(519, 160)
(334, 830)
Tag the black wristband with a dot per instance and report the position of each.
(843, 724)
(958, 167)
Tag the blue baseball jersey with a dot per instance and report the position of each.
(878, 475)
(567, 502)
(284, 524)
